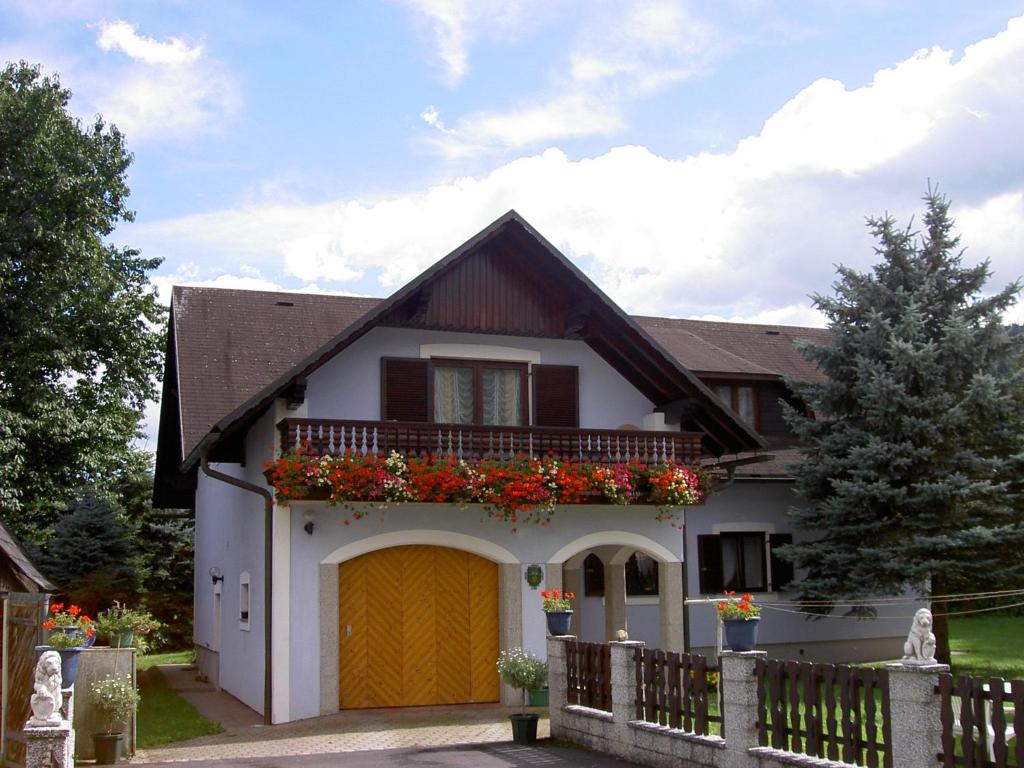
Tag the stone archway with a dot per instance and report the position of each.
(616, 548)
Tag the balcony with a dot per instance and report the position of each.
(474, 442)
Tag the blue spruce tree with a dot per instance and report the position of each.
(912, 445)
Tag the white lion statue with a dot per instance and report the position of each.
(920, 645)
(46, 699)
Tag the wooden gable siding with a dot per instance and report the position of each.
(490, 291)
(771, 423)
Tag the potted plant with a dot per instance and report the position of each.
(740, 618)
(526, 672)
(115, 700)
(71, 631)
(558, 610)
(126, 627)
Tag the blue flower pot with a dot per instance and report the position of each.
(69, 658)
(559, 622)
(741, 634)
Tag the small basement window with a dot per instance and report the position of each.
(244, 600)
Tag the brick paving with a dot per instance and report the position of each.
(245, 737)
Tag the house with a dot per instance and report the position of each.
(501, 347)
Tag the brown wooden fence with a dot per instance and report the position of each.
(672, 689)
(588, 675)
(835, 712)
(982, 722)
(22, 632)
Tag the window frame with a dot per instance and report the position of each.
(777, 573)
(734, 399)
(477, 366)
(737, 537)
(633, 592)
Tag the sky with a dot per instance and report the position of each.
(696, 159)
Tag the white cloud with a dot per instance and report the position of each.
(167, 88)
(449, 20)
(570, 116)
(622, 51)
(121, 36)
(747, 233)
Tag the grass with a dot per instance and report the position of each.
(987, 644)
(164, 716)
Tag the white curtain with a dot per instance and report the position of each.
(501, 396)
(453, 395)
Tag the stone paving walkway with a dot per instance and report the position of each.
(350, 731)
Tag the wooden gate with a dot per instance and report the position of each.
(418, 625)
(23, 614)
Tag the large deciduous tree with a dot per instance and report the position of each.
(81, 326)
(912, 454)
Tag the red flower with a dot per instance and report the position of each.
(74, 610)
(49, 624)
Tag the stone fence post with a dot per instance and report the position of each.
(915, 714)
(623, 687)
(556, 681)
(739, 695)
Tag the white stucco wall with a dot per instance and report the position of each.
(762, 506)
(348, 387)
(531, 544)
(229, 536)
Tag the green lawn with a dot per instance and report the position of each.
(987, 644)
(164, 716)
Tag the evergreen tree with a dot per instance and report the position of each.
(90, 556)
(912, 451)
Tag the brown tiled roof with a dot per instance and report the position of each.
(31, 578)
(736, 348)
(232, 343)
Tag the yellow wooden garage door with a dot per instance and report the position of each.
(419, 625)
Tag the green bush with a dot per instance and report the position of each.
(115, 698)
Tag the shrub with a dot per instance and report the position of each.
(115, 699)
(522, 670)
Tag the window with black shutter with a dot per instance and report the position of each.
(405, 389)
(782, 569)
(739, 561)
(556, 396)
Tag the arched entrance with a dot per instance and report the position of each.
(418, 625)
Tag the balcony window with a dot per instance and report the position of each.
(479, 392)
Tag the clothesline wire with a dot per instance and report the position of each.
(773, 607)
(884, 601)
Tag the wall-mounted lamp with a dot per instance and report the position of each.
(534, 575)
(216, 574)
(309, 518)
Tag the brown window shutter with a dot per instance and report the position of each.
(556, 396)
(404, 389)
(709, 564)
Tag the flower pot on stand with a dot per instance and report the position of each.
(524, 728)
(741, 634)
(69, 665)
(107, 747)
(124, 639)
(559, 622)
(540, 698)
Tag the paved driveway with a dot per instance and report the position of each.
(476, 735)
(462, 756)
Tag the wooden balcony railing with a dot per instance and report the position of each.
(473, 442)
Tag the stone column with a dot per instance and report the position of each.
(614, 600)
(739, 695)
(556, 681)
(623, 686)
(915, 714)
(48, 746)
(670, 606)
(510, 618)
